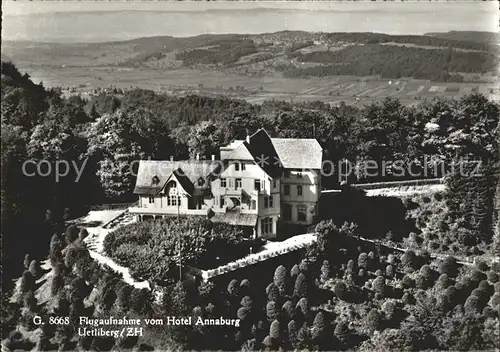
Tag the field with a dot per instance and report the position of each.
(255, 89)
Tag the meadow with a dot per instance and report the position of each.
(254, 89)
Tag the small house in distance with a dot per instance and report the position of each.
(260, 182)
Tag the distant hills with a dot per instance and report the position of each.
(450, 56)
(470, 36)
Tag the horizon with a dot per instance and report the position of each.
(97, 22)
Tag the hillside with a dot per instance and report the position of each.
(291, 53)
(470, 36)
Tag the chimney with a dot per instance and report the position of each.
(247, 137)
(171, 158)
(197, 156)
(213, 157)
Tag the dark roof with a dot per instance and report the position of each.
(262, 149)
(188, 172)
(234, 218)
(297, 153)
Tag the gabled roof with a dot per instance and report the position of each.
(241, 152)
(296, 153)
(264, 154)
(188, 172)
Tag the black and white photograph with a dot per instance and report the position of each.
(250, 175)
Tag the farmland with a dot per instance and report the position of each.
(254, 89)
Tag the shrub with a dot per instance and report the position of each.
(27, 261)
(341, 290)
(271, 311)
(495, 300)
(389, 271)
(295, 271)
(477, 275)
(407, 282)
(449, 266)
(389, 309)
(492, 277)
(378, 285)
(301, 287)
(83, 234)
(233, 288)
(273, 292)
(292, 333)
(408, 298)
(472, 304)
(363, 261)
(281, 279)
(481, 265)
(71, 234)
(372, 321)
(408, 260)
(302, 307)
(325, 271)
(246, 302)
(288, 310)
(443, 282)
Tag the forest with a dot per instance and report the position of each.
(392, 61)
(368, 297)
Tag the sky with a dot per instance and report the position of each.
(97, 21)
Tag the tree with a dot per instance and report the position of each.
(378, 285)
(294, 272)
(301, 286)
(363, 261)
(288, 310)
(274, 330)
(35, 269)
(271, 311)
(341, 332)
(325, 271)
(292, 333)
(318, 328)
(246, 302)
(233, 288)
(71, 234)
(341, 290)
(372, 321)
(281, 279)
(273, 292)
(302, 307)
(27, 261)
(179, 299)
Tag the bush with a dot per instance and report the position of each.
(273, 292)
(378, 285)
(295, 271)
(477, 275)
(473, 305)
(71, 234)
(271, 311)
(449, 266)
(341, 290)
(407, 282)
(408, 260)
(389, 271)
(492, 277)
(363, 261)
(481, 265)
(301, 288)
(372, 321)
(443, 282)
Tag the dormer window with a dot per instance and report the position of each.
(172, 184)
(201, 181)
(155, 180)
(236, 166)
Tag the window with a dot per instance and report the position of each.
(257, 185)
(299, 190)
(243, 167)
(221, 201)
(266, 225)
(301, 212)
(271, 202)
(286, 189)
(238, 183)
(223, 182)
(172, 184)
(151, 199)
(299, 174)
(155, 180)
(231, 182)
(263, 185)
(254, 204)
(236, 166)
(287, 212)
(172, 201)
(266, 202)
(274, 183)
